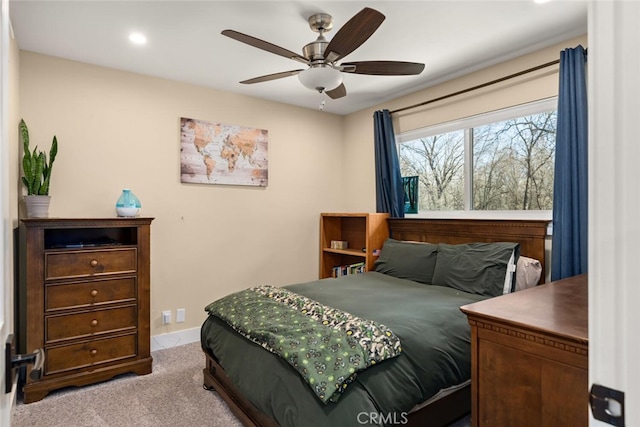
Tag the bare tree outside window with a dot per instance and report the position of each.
(513, 165)
(438, 161)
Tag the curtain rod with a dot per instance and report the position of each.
(480, 86)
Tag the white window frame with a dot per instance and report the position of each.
(467, 124)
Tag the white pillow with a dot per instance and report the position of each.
(508, 277)
(528, 272)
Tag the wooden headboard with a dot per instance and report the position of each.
(530, 234)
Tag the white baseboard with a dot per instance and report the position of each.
(174, 339)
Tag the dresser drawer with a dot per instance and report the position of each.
(89, 353)
(62, 265)
(89, 323)
(69, 295)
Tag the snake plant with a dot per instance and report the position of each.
(37, 172)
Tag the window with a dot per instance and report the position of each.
(501, 161)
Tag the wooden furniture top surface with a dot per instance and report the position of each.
(558, 308)
(87, 222)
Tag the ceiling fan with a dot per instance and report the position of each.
(324, 74)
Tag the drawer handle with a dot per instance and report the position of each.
(94, 322)
(94, 292)
(93, 352)
(94, 262)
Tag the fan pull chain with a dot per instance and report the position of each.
(321, 106)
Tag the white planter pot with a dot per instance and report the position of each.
(37, 206)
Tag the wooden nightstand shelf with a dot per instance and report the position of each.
(364, 232)
(84, 299)
(529, 357)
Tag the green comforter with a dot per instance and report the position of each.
(327, 346)
(436, 354)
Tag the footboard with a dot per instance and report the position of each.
(216, 379)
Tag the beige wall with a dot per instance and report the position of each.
(359, 176)
(117, 129)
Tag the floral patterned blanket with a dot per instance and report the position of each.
(327, 346)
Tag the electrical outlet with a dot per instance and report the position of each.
(166, 317)
(180, 313)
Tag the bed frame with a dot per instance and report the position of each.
(530, 234)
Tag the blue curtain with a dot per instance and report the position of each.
(389, 190)
(570, 191)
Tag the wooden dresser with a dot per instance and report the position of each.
(530, 357)
(83, 297)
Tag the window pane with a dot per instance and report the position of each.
(438, 162)
(513, 163)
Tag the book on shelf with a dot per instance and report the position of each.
(347, 269)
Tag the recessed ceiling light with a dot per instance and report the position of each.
(137, 38)
(541, 1)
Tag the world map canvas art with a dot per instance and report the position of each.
(215, 153)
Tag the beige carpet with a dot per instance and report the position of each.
(170, 396)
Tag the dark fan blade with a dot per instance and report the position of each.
(261, 44)
(383, 68)
(352, 34)
(271, 77)
(338, 92)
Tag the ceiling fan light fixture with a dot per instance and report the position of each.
(320, 78)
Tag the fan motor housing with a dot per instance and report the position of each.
(314, 51)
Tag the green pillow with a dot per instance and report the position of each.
(407, 260)
(477, 268)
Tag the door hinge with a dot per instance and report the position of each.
(607, 404)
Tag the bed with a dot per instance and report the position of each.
(263, 389)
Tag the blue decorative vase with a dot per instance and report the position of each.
(128, 205)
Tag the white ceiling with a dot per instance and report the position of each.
(184, 42)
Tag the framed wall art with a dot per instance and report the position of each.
(216, 153)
